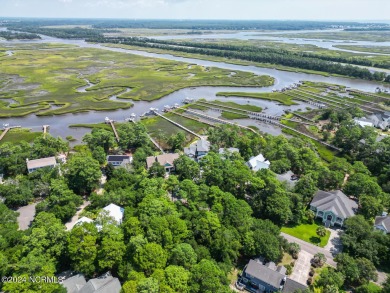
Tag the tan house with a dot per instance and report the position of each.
(33, 165)
(165, 160)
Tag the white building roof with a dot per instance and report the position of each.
(83, 220)
(41, 163)
(115, 212)
(257, 163)
(363, 122)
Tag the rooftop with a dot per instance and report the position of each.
(257, 163)
(292, 286)
(118, 158)
(115, 212)
(162, 159)
(384, 221)
(264, 273)
(103, 284)
(40, 163)
(335, 201)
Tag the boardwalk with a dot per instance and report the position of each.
(4, 133)
(155, 143)
(217, 120)
(114, 129)
(6, 130)
(177, 124)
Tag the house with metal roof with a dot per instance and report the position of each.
(198, 149)
(165, 160)
(382, 223)
(119, 160)
(33, 165)
(103, 284)
(333, 207)
(257, 163)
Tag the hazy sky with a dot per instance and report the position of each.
(201, 9)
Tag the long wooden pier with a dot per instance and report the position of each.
(114, 129)
(177, 124)
(6, 130)
(152, 140)
(217, 120)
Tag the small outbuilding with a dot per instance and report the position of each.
(257, 163)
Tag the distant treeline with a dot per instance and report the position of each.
(192, 24)
(255, 54)
(64, 33)
(18, 36)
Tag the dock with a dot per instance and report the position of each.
(45, 129)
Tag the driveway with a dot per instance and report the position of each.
(74, 219)
(311, 249)
(302, 267)
(334, 245)
(26, 216)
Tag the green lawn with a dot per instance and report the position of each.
(307, 232)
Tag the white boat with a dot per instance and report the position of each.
(107, 120)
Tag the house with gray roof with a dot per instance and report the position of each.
(382, 223)
(379, 120)
(333, 207)
(103, 284)
(259, 277)
(198, 149)
(33, 165)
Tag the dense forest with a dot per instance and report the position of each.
(186, 233)
(18, 36)
(263, 55)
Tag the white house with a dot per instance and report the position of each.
(115, 212)
(33, 165)
(257, 163)
(119, 160)
(83, 220)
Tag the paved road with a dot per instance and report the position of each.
(74, 219)
(302, 267)
(26, 216)
(310, 248)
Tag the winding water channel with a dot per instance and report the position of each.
(59, 124)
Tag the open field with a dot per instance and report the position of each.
(17, 135)
(278, 97)
(46, 82)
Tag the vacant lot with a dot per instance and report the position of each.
(45, 80)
